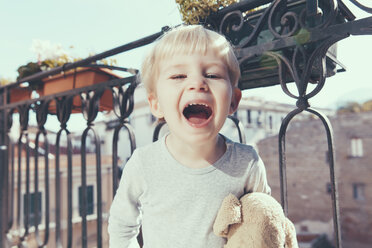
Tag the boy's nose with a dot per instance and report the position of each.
(198, 84)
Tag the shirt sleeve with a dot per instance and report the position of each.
(125, 215)
(257, 180)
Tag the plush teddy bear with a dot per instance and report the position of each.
(256, 221)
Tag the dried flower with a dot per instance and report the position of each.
(194, 11)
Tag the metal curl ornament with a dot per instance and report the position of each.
(64, 108)
(257, 28)
(279, 59)
(23, 116)
(123, 99)
(41, 108)
(90, 104)
(229, 21)
(361, 6)
(320, 51)
(286, 19)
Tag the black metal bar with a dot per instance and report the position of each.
(282, 160)
(3, 189)
(84, 186)
(84, 62)
(69, 191)
(132, 140)
(11, 187)
(361, 6)
(64, 107)
(240, 128)
(90, 108)
(99, 188)
(42, 243)
(26, 204)
(335, 204)
(58, 191)
(41, 117)
(19, 180)
(3, 172)
(9, 165)
(83, 209)
(3, 209)
(312, 7)
(111, 67)
(157, 129)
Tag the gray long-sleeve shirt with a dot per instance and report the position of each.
(177, 205)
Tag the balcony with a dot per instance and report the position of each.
(281, 42)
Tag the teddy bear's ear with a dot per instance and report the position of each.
(290, 235)
(229, 213)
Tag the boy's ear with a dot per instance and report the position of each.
(154, 105)
(235, 99)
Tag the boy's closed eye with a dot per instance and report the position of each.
(178, 76)
(212, 75)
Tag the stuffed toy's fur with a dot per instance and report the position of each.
(256, 221)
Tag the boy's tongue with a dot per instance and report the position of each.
(197, 113)
(197, 118)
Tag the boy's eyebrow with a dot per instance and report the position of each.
(182, 65)
(171, 67)
(218, 64)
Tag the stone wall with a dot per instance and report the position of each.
(309, 198)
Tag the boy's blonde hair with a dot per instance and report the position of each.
(187, 40)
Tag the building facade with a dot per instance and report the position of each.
(308, 179)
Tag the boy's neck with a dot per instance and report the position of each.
(196, 155)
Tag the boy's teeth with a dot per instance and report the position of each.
(197, 112)
(191, 104)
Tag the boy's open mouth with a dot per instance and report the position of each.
(197, 113)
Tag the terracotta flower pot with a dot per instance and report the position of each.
(82, 77)
(20, 94)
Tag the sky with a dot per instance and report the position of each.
(95, 26)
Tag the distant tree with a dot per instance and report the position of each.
(4, 81)
(354, 107)
(367, 106)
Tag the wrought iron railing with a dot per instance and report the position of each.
(282, 41)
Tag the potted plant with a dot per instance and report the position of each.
(194, 12)
(81, 77)
(16, 94)
(77, 78)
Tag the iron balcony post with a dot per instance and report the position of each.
(3, 171)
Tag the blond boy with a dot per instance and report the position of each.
(174, 187)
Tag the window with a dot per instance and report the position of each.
(358, 191)
(152, 118)
(271, 122)
(249, 120)
(89, 201)
(259, 118)
(356, 147)
(33, 197)
(329, 188)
